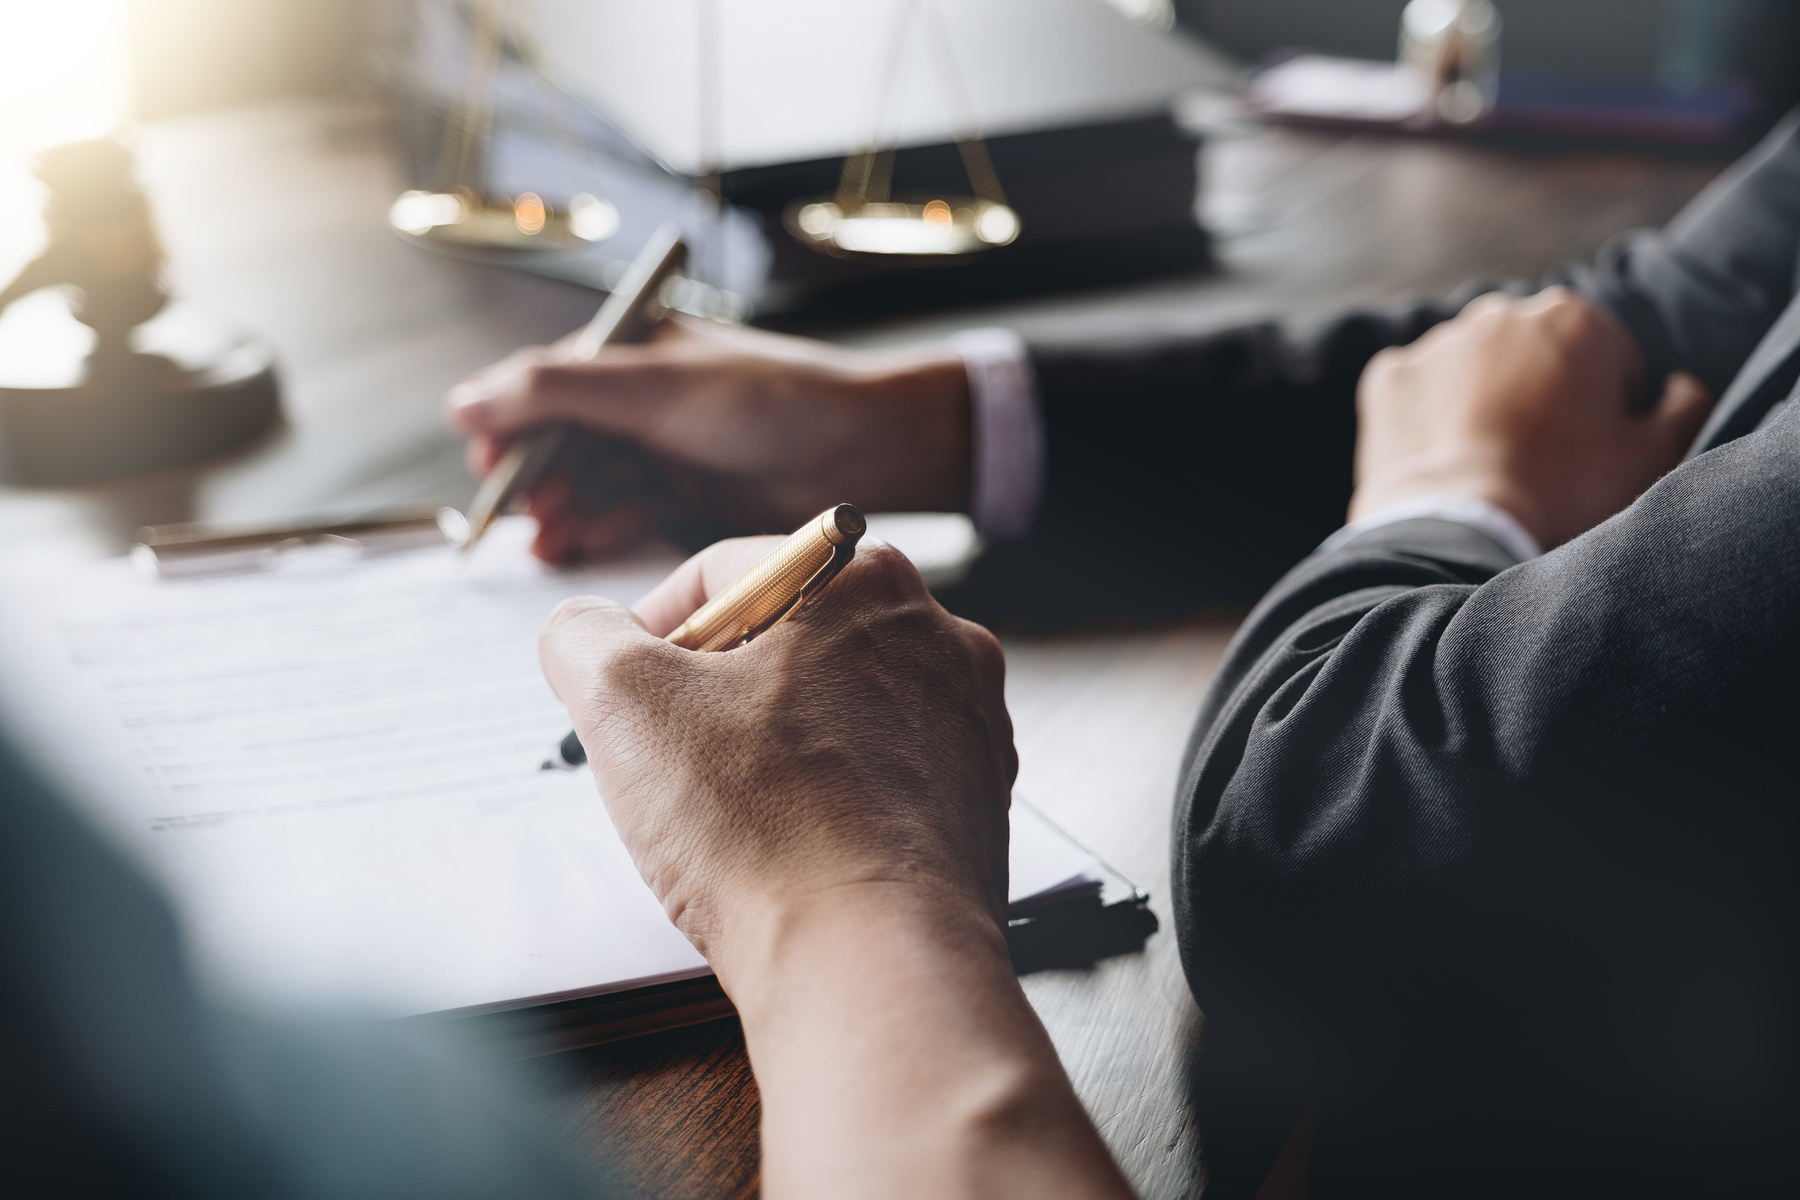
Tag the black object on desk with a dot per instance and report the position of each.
(1066, 933)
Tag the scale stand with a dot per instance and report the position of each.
(865, 220)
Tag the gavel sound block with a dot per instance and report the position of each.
(101, 373)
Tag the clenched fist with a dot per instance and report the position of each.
(864, 743)
(710, 429)
(1532, 405)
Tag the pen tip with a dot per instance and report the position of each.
(457, 529)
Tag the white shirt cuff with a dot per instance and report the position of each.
(1007, 433)
(1478, 515)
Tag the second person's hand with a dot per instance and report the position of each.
(1534, 405)
(746, 431)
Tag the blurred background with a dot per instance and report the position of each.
(162, 57)
(386, 194)
(755, 103)
(1678, 42)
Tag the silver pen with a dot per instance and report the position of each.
(630, 312)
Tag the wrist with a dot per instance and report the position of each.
(1374, 498)
(771, 944)
(896, 1054)
(915, 406)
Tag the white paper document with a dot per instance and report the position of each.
(334, 767)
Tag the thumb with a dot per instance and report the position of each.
(1681, 410)
(598, 657)
(480, 404)
(698, 580)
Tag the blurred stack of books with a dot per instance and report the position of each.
(646, 106)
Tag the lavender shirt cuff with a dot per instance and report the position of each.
(1007, 430)
(1478, 515)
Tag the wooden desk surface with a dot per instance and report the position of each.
(275, 215)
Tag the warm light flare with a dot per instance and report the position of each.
(62, 75)
(63, 69)
(528, 213)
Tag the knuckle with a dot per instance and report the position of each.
(1563, 307)
(983, 645)
(1492, 317)
(887, 567)
(534, 379)
(1382, 374)
(573, 613)
(1489, 306)
(625, 667)
(576, 632)
(1574, 322)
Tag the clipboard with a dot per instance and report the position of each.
(220, 692)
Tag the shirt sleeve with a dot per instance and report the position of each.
(1007, 430)
(1478, 515)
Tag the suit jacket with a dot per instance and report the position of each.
(1500, 863)
(1202, 467)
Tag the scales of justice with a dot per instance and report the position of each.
(864, 219)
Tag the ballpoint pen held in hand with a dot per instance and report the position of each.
(759, 599)
(630, 312)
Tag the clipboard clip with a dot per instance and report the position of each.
(197, 548)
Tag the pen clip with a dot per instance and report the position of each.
(840, 557)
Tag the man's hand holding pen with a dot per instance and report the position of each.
(823, 812)
(862, 743)
(749, 431)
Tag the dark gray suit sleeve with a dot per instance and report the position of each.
(1202, 467)
(1701, 293)
(1505, 857)
(1196, 468)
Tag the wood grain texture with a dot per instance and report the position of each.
(275, 215)
(672, 1114)
(1100, 722)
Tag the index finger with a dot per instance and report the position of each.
(698, 580)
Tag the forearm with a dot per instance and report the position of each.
(911, 420)
(897, 1056)
(1200, 466)
(1338, 587)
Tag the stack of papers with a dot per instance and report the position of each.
(334, 766)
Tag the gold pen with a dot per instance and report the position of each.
(758, 600)
(631, 311)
